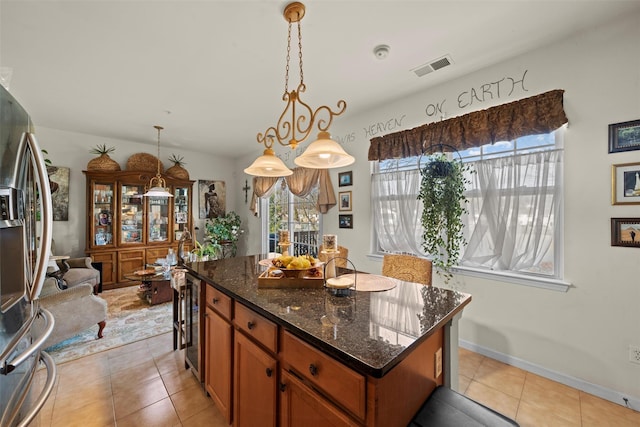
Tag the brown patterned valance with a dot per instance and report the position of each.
(529, 116)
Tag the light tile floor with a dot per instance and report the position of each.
(146, 384)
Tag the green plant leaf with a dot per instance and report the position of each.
(177, 160)
(102, 149)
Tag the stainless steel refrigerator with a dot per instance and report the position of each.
(25, 243)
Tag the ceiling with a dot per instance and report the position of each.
(212, 72)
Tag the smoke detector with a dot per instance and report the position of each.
(381, 51)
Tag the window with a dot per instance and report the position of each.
(286, 211)
(515, 200)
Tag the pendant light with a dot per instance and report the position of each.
(298, 119)
(268, 165)
(157, 186)
(324, 153)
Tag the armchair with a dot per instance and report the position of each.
(74, 309)
(79, 270)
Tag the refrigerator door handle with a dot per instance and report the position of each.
(35, 346)
(36, 406)
(44, 250)
(44, 395)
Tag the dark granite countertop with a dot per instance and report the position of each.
(370, 332)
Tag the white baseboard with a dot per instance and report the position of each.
(594, 389)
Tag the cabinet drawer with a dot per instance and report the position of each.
(256, 326)
(218, 301)
(343, 385)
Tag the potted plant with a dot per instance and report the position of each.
(224, 230)
(103, 162)
(203, 251)
(177, 170)
(442, 189)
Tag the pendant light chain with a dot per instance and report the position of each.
(286, 74)
(300, 52)
(159, 129)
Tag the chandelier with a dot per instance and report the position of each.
(297, 121)
(157, 186)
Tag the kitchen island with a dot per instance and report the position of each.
(292, 356)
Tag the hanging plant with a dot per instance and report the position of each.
(442, 189)
(103, 162)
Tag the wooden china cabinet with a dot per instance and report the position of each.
(126, 231)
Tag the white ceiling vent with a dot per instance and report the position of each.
(433, 66)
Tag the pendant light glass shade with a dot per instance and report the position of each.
(268, 165)
(157, 192)
(324, 153)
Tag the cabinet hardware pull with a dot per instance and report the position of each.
(250, 325)
(269, 371)
(215, 300)
(313, 369)
(283, 387)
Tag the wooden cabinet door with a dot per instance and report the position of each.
(108, 260)
(255, 382)
(130, 261)
(300, 406)
(153, 254)
(217, 365)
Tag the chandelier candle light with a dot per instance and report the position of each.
(292, 129)
(157, 185)
(284, 242)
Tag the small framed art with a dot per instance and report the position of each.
(345, 221)
(625, 184)
(345, 200)
(624, 136)
(181, 217)
(345, 179)
(625, 232)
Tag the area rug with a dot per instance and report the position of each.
(129, 319)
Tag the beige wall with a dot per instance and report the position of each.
(580, 337)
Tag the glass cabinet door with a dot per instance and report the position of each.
(131, 214)
(158, 219)
(102, 230)
(180, 211)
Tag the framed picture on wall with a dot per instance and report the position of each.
(345, 200)
(625, 184)
(625, 232)
(345, 179)
(345, 221)
(624, 136)
(212, 197)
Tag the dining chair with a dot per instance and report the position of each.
(407, 267)
(341, 261)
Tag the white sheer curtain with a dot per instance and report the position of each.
(397, 211)
(514, 207)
